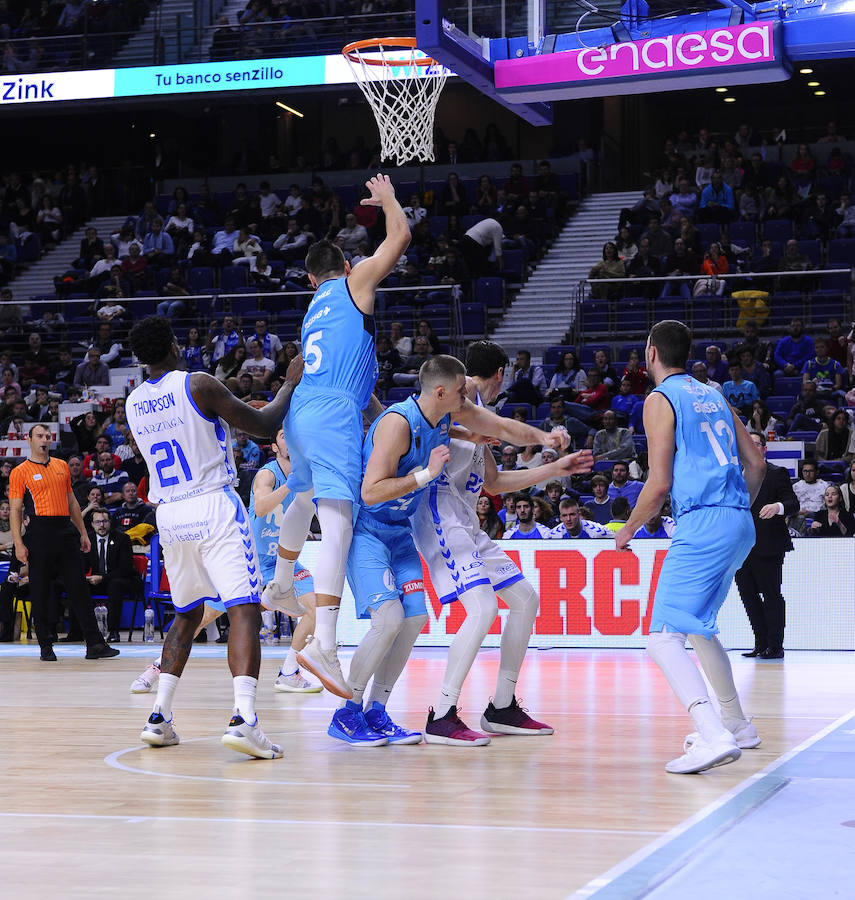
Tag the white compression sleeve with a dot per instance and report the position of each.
(716, 666)
(668, 651)
(386, 622)
(335, 517)
(522, 603)
(390, 668)
(481, 608)
(296, 522)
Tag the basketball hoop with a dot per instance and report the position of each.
(402, 89)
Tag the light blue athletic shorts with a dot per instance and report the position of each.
(324, 435)
(383, 564)
(709, 544)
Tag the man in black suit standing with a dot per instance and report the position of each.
(110, 567)
(762, 571)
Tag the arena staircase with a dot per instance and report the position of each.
(542, 312)
(37, 280)
(142, 49)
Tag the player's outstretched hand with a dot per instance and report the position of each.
(439, 456)
(622, 539)
(558, 439)
(578, 463)
(295, 370)
(381, 189)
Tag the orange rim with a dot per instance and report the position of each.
(390, 43)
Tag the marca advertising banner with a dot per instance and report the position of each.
(723, 56)
(593, 596)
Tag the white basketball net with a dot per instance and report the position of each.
(403, 97)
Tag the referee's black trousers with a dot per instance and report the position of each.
(53, 544)
(762, 575)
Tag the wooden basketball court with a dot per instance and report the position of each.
(87, 811)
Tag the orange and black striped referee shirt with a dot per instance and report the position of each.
(49, 485)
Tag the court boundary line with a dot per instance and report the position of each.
(714, 818)
(450, 826)
(112, 760)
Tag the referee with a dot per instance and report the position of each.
(53, 549)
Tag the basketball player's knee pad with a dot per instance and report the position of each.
(387, 619)
(659, 644)
(520, 596)
(335, 518)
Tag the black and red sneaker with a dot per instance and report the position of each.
(512, 719)
(451, 729)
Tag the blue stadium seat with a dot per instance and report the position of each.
(788, 385)
(200, 280)
(806, 436)
(398, 394)
(811, 249)
(490, 291)
(473, 318)
(743, 233)
(785, 305)
(232, 278)
(508, 409)
(512, 270)
(586, 354)
(777, 230)
(595, 316)
(669, 308)
(707, 312)
(780, 405)
(632, 315)
(841, 252)
(552, 355)
(824, 305)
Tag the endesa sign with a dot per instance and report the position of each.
(723, 56)
(593, 596)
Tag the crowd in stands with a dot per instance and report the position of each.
(720, 208)
(44, 37)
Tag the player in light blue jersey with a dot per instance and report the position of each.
(324, 424)
(180, 422)
(269, 498)
(695, 443)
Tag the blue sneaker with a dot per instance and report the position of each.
(349, 725)
(378, 720)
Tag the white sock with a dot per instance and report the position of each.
(326, 619)
(668, 651)
(523, 603)
(717, 668)
(245, 690)
(386, 621)
(393, 663)
(290, 666)
(283, 574)
(481, 608)
(165, 692)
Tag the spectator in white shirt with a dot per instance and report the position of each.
(810, 490)
(294, 200)
(402, 343)
(415, 212)
(224, 242)
(352, 235)
(270, 203)
(482, 239)
(699, 373)
(258, 365)
(293, 243)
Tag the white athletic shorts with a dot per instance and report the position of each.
(458, 557)
(208, 551)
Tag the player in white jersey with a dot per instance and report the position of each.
(466, 565)
(180, 422)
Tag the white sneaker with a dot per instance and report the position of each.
(324, 665)
(158, 732)
(702, 755)
(745, 733)
(295, 684)
(274, 596)
(249, 739)
(147, 680)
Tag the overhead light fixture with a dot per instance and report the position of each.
(152, 134)
(806, 71)
(813, 84)
(730, 99)
(721, 90)
(819, 93)
(290, 109)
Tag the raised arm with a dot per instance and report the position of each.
(391, 441)
(482, 421)
(659, 425)
(214, 399)
(265, 498)
(365, 276)
(496, 482)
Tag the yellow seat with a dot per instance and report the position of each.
(752, 305)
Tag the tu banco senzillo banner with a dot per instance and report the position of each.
(591, 595)
(195, 78)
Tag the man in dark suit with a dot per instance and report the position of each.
(110, 567)
(762, 571)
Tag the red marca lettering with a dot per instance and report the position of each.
(456, 613)
(551, 564)
(606, 562)
(658, 559)
(411, 587)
